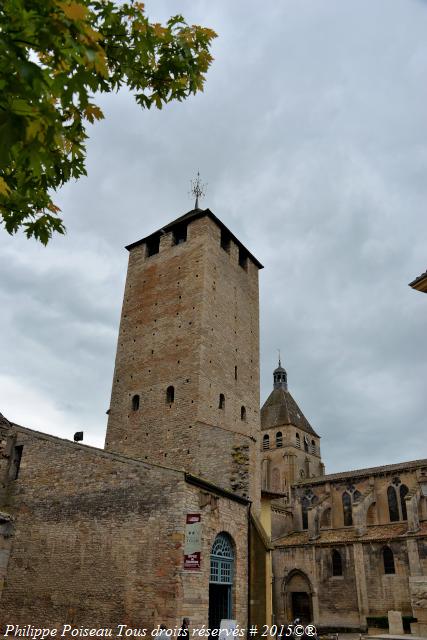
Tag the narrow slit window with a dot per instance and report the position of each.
(235, 372)
(388, 560)
(266, 442)
(170, 395)
(242, 413)
(16, 461)
(135, 402)
(221, 403)
(393, 508)
(336, 563)
(298, 440)
(347, 509)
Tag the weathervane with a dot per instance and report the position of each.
(198, 189)
(280, 364)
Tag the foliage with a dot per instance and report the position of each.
(54, 56)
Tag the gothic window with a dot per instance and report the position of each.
(135, 402)
(242, 413)
(403, 490)
(393, 507)
(266, 442)
(388, 560)
(221, 404)
(356, 496)
(170, 395)
(336, 563)
(279, 439)
(298, 440)
(305, 503)
(346, 504)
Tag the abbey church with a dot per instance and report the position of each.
(200, 504)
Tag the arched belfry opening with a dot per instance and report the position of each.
(298, 597)
(221, 580)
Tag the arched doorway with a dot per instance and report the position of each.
(298, 601)
(221, 580)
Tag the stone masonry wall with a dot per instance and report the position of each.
(99, 540)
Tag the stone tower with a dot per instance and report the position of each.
(186, 382)
(290, 446)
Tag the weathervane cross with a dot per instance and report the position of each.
(197, 189)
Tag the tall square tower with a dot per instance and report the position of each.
(186, 382)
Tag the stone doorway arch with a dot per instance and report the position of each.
(298, 597)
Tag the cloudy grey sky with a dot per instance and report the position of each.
(312, 136)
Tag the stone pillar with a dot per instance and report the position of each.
(395, 625)
(362, 593)
(418, 591)
(415, 568)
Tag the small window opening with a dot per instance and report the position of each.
(403, 490)
(298, 440)
(243, 258)
(336, 563)
(266, 442)
(235, 372)
(135, 402)
(221, 404)
(16, 461)
(243, 413)
(279, 439)
(225, 240)
(153, 245)
(179, 234)
(170, 395)
(305, 503)
(347, 509)
(393, 508)
(388, 559)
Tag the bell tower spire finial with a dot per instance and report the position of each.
(280, 377)
(198, 189)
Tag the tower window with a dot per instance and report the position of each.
(298, 440)
(336, 563)
(243, 413)
(153, 245)
(179, 234)
(388, 560)
(221, 404)
(266, 442)
(135, 402)
(225, 240)
(279, 439)
(235, 372)
(313, 446)
(243, 258)
(170, 395)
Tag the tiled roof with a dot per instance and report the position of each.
(347, 535)
(420, 283)
(369, 471)
(281, 409)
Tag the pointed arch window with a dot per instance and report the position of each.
(170, 395)
(403, 490)
(279, 439)
(388, 560)
(305, 503)
(266, 442)
(393, 507)
(346, 505)
(221, 403)
(135, 402)
(336, 563)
